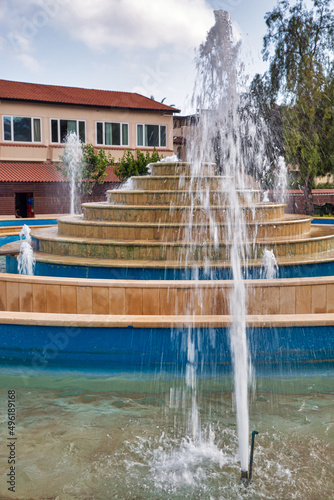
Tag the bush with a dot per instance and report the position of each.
(130, 166)
(94, 167)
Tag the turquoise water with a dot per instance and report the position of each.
(81, 436)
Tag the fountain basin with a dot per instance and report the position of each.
(126, 344)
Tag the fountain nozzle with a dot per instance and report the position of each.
(246, 476)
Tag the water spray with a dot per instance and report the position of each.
(246, 476)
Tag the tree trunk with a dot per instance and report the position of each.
(307, 190)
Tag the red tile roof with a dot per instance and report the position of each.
(111, 176)
(73, 95)
(179, 140)
(38, 172)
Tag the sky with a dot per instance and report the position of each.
(144, 46)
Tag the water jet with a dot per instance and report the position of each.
(132, 314)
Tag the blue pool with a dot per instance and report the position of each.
(29, 222)
(19, 223)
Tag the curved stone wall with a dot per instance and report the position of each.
(299, 296)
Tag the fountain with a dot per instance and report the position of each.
(25, 259)
(72, 161)
(140, 306)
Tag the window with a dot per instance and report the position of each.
(60, 129)
(112, 134)
(21, 129)
(152, 135)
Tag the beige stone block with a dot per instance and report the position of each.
(287, 300)
(183, 303)
(136, 253)
(221, 301)
(84, 300)
(167, 301)
(116, 301)
(68, 298)
(151, 301)
(319, 299)
(100, 300)
(254, 300)
(39, 298)
(12, 293)
(330, 298)
(303, 299)
(204, 300)
(133, 301)
(25, 297)
(53, 299)
(3, 296)
(271, 300)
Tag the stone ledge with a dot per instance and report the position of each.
(124, 321)
(189, 284)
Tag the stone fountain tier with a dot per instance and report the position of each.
(167, 218)
(139, 197)
(178, 213)
(319, 240)
(186, 183)
(135, 227)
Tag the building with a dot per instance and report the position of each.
(35, 119)
(184, 130)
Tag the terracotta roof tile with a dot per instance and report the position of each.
(179, 140)
(38, 172)
(111, 176)
(74, 95)
(29, 172)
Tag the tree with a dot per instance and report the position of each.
(94, 167)
(300, 76)
(129, 165)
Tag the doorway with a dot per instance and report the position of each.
(24, 205)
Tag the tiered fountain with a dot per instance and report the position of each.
(171, 255)
(141, 232)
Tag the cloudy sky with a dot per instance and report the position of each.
(144, 46)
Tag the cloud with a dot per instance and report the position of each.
(18, 33)
(148, 24)
(155, 38)
(29, 62)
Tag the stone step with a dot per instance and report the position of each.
(201, 183)
(176, 321)
(178, 197)
(150, 265)
(163, 214)
(48, 241)
(291, 226)
(180, 168)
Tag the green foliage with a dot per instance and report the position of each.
(130, 166)
(94, 167)
(300, 75)
(293, 183)
(324, 185)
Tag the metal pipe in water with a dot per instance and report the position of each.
(251, 456)
(246, 476)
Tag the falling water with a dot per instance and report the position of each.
(230, 136)
(73, 162)
(270, 266)
(217, 140)
(26, 259)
